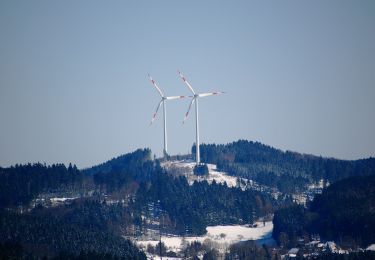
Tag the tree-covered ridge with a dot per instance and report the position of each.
(344, 212)
(273, 167)
(122, 162)
(21, 183)
(116, 173)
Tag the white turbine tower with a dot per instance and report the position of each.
(163, 99)
(195, 99)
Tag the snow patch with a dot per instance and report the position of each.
(62, 199)
(219, 234)
(186, 168)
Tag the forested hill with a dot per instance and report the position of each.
(187, 208)
(122, 162)
(344, 212)
(273, 167)
(49, 210)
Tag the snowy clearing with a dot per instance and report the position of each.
(186, 168)
(62, 199)
(223, 235)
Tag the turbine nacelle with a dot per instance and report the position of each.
(163, 98)
(195, 95)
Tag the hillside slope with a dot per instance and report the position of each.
(344, 212)
(288, 171)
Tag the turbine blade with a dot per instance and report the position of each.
(210, 94)
(186, 82)
(174, 97)
(156, 112)
(187, 113)
(156, 86)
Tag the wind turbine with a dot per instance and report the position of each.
(163, 99)
(195, 99)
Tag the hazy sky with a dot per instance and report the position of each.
(299, 75)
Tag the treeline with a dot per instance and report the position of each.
(114, 174)
(20, 184)
(273, 167)
(120, 163)
(344, 212)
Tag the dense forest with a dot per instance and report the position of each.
(50, 235)
(124, 191)
(288, 171)
(192, 208)
(21, 183)
(344, 212)
(14, 250)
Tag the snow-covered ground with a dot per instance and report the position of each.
(371, 247)
(186, 168)
(60, 200)
(223, 235)
(155, 257)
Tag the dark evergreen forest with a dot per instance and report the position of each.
(344, 212)
(20, 184)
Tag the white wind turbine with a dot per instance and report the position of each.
(195, 99)
(163, 99)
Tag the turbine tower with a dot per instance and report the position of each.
(195, 99)
(163, 100)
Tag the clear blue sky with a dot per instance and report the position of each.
(299, 75)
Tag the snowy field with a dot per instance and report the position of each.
(223, 235)
(186, 168)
